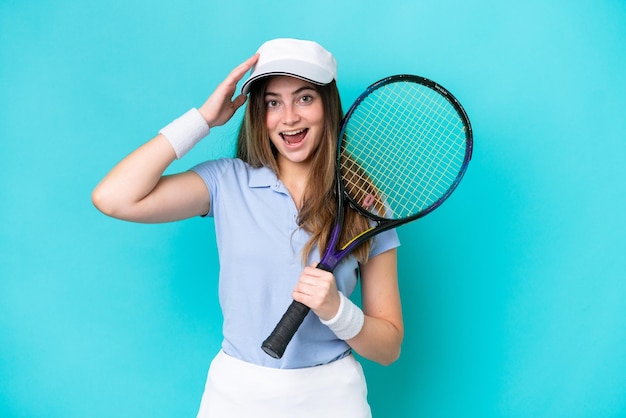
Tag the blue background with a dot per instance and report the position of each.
(514, 291)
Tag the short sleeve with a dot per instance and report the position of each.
(211, 173)
(384, 241)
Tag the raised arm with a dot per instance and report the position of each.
(136, 189)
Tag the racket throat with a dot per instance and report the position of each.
(330, 260)
(323, 266)
(333, 255)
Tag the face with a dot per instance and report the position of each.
(294, 119)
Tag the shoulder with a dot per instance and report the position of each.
(219, 166)
(215, 172)
(384, 241)
(235, 166)
(233, 174)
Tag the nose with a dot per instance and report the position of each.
(291, 115)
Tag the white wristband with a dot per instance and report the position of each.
(348, 321)
(186, 131)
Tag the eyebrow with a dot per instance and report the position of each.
(294, 93)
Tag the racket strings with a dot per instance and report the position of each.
(360, 187)
(403, 148)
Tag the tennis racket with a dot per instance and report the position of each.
(404, 146)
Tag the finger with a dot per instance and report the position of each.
(311, 281)
(317, 290)
(324, 304)
(309, 297)
(314, 271)
(228, 86)
(241, 70)
(239, 101)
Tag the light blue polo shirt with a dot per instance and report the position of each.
(259, 246)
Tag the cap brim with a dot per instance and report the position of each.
(304, 71)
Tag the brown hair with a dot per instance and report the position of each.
(317, 213)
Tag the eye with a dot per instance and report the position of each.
(271, 104)
(305, 99)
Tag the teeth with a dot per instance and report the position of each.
(293, 132)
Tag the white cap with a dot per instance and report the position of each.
(306, 60)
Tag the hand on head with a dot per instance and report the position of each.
(220, 106)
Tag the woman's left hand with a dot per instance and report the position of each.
(317, 289)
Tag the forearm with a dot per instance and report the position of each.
(379, 341)
(383, 328)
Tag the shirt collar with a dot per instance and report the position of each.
(261, 177)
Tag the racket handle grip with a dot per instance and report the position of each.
(278, 340)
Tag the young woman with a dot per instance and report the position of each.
(273, 208)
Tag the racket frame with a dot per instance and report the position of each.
(335, 254)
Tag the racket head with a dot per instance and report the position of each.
(405, 145)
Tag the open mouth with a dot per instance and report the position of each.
(294, 137)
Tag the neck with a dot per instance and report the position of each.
(295, 178)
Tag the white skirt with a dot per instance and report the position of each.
(236, 389)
